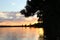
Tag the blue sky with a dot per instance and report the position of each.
(12, 5)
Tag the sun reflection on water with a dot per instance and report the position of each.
(21, 33)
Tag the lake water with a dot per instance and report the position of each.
(20, 33)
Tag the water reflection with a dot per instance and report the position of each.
(20, 33)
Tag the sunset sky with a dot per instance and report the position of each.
(16, 18)
(9, 13)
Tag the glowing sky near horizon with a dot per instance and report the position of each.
(8, 15)
(12, 5)
(16, 18)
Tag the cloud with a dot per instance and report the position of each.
(11, 18)
(18, 15)
(13, 3)
(3, 15)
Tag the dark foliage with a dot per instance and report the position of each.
(34, 5)
(51, 18)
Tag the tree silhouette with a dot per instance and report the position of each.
(40, 7)
(35, 5)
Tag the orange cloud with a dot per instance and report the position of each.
(18, 20)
